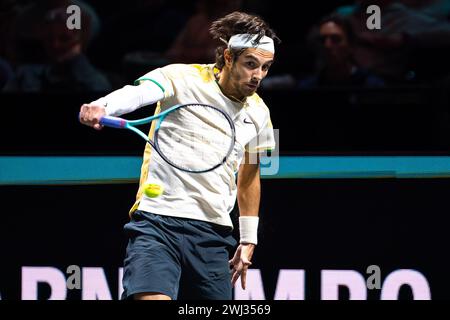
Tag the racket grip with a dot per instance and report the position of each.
(113, 122)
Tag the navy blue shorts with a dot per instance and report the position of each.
(181, 258)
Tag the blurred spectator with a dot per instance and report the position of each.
(332, 42)
(27, 26)
(404, 43)
(9, 10)
(64, 66)
(194, 44)
(136, 34)
(335, 63)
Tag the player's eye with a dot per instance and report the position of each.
(251, 64)
(266, 67)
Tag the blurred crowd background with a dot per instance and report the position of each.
(324, 43)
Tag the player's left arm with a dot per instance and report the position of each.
(248, 195)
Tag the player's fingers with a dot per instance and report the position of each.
(83, 108)
(234, 260)
(90, 117)
(85, 120)
(82, 114)
(246, 262)
(244, 277)
(234, 278)
(85, 114)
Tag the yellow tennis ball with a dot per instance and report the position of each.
(153, 190)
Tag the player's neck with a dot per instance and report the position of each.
(224, 82)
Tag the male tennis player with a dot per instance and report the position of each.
(179, 242)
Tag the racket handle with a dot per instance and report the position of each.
(113, 122)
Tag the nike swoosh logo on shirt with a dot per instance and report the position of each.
(246, 121)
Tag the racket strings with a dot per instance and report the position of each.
(195, 137)
(220, 124)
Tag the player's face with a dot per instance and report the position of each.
(248, 71)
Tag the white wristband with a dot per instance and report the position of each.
(248, 229)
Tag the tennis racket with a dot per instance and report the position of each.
(191, 137)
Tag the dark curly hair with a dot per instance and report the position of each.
(237, 23)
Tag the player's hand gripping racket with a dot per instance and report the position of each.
(191, 137)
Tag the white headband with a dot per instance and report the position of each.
(241, 41)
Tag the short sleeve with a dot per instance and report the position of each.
(264, 141)
(159, 78)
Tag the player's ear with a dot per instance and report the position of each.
(228, 57)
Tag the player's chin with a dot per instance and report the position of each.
(249, 89)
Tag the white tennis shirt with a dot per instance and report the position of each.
(206, 196)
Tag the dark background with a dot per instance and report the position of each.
(306, 224)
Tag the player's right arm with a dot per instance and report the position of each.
(122, 101)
